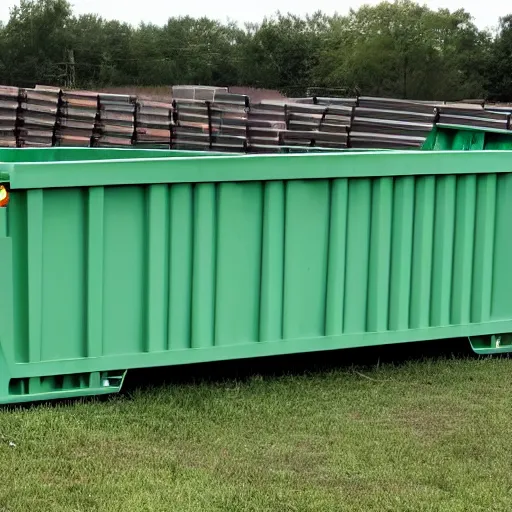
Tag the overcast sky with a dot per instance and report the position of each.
(486, 13)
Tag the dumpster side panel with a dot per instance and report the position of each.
(137, 270)
(61, 259)
(118, 277)
(6, 305)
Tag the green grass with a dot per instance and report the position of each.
(422, 436)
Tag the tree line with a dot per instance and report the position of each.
(400, 49)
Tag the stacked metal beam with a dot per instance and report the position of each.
(9, 102)
(502, 110)
(317, 125)
(228, 113)
(388, 123)
(266, 120)
(77, 119)
(321, 100)
(153, 124)
(191, 128)
(37, 116)
(211, 118)
(116, 121)
(219, 125)
(197, 92)
(473, 115)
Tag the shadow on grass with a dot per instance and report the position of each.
(296, 364)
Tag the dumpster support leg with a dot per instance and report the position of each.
(492, 344)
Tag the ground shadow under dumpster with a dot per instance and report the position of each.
(297, 364)
(312, 363)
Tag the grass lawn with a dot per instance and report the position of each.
(429, 435)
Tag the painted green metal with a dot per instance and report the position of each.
(445, 137)
(117, 263)
(493, 344)
(466, 138)
(63, 154)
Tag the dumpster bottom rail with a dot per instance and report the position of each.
(64, 386)
(75, 385)
(492, 344)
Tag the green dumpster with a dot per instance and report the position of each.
(121, 259)
(466, 138)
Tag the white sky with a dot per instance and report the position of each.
(485, 13)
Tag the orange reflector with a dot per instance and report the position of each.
(4, 197)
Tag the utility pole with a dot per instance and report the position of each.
(70, 70)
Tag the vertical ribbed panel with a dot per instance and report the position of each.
(272, 262)
(238, 261)
(180, 266)
(18, 227)
(484, 248)
(463, 257)
(401, 253)
(124, 272)
(502, 272)
(157, 268)
(357, 254)
(335, 300)
(467, 140)
(94, 271)
(380, 255)
(3, 222)
(63, 259)
(305, 260)
(419, 316)
(132, 269)
(204, 265)
(35, 273)
(442, 264)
